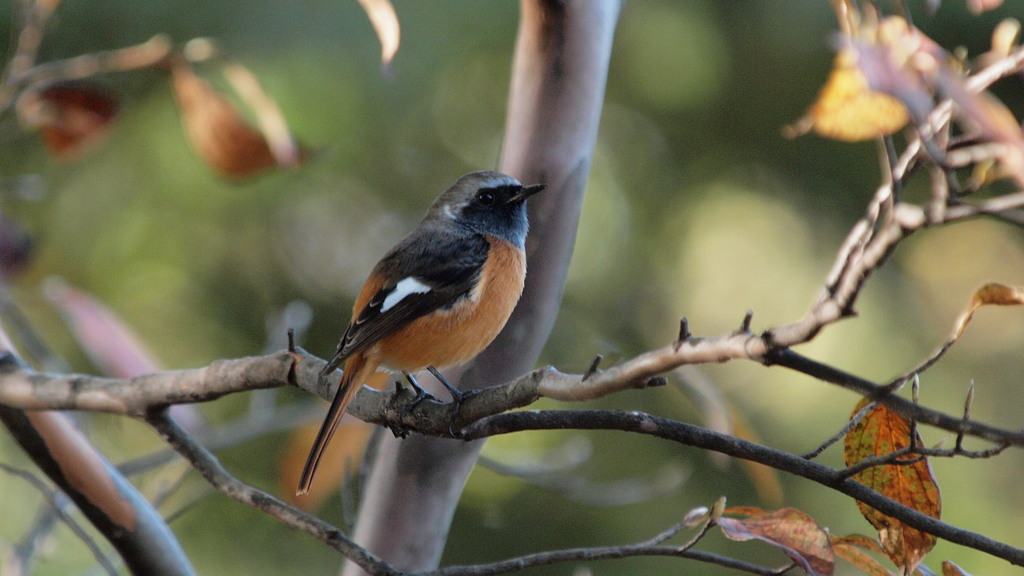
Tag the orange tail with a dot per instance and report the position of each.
(356, 371)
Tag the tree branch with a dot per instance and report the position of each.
(690, 435)
(137, 396)
(211, 469)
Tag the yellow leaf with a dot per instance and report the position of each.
(1004, 37)
(848, 109)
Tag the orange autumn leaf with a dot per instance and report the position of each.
(909, 481)
(68, 116)
(791, 530)
(218, 132)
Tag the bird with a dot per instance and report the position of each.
(436, 299)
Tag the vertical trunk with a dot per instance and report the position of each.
(558, 81)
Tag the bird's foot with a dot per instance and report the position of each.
(458, 396)
(401, 431)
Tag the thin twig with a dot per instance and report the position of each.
(968, 401)
(842, 432)
(211, 469)
(649, 547)
(901, 406)
(150, 53)
(895, 458)
(51, 497)
(594, 365)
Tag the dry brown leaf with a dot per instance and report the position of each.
(951, 569)
(853, 549)
(285, 150)
(791, 530)
(909, 482)
(71, 117)
(219, 133)
(991, 294)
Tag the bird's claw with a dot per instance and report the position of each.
(402, 431)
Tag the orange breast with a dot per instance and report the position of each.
(453, 336)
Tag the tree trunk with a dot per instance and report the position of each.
(558, 82)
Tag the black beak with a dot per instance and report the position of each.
(525, 193)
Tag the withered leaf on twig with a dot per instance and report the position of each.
(221, 135)
(791, 530)
(70, 116)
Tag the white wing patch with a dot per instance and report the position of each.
(404, 288)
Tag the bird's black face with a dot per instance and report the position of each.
(486, 203)
(499, 210)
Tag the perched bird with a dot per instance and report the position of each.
(439, 297)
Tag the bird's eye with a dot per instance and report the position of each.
(485, 198)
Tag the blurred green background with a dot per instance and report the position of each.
(696, 206)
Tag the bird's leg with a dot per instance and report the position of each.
(421, 395)
(457, 396)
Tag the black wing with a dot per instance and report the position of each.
(449, 265)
